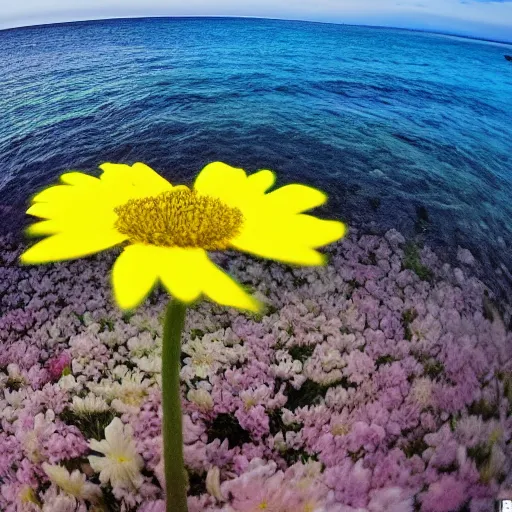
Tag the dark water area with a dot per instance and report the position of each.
(403, 129)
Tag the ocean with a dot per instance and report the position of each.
(403, 129)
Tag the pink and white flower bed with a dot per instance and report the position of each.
(361, 388)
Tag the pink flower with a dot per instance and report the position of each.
(445, 495)
(350, 482)
(359, 366)
(255, 420)
(391, 499)
(57, 364)
(365, 436)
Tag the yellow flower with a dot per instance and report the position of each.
(169, 229)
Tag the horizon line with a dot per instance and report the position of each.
(126, 18)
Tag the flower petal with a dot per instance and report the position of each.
(221, 288)
(79, 178)
(61, 193)
(70, 245)
(261, 181)
(134, 275)
(287, 238)
(178, 270)
(139, 180)
(229, 184)
(72, 217)
(314, 232)
(294, 198)
(85, 202)
(75, 207)
(186, 272)
(45, 227)
(278, 250)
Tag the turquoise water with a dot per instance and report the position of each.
(404, 129)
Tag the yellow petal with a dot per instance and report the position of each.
(69, 203)
(279, 250)
(79, 178)
(59, 193)
(261, 181)
(229, 184)
(294, 198)
(65, 246)
(221, 288)
(139, 180)
(188, 272)
(314, 232)
(178, 271)
(133, 275)
(45, 227)
(288, 238)
(82, 215)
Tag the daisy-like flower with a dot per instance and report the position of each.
(91, 404)
(121, 464)
(167, 230)
(74, 483)
(201, 398)
(125, 395)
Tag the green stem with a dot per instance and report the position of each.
(175, 476)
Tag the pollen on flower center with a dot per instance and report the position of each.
(179, 218)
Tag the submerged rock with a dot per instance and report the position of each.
(508, 57)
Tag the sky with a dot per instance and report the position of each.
(487, 19)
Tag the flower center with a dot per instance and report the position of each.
(340, 430)
(179, 218)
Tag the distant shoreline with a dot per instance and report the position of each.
(124, 18)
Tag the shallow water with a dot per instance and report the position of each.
(387, 121)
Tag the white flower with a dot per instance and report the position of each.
(152, 364)
(121, 464)
(15, 375)
(15, 398)
(201, 398)
(28, 496)
(324, 366)
(141, 345)
(336, 397)
(111, 338)
(286, 366)
(288, 417)
(130, 392)
(74, 484)
(62, 503)
(120, 371)
(44, 427)
(208, 355)
(68, 383)
(252, 397)
(213, 483)
(127, 395)
(205, 358)
(146, 323)
(13, 370)
(90, 404)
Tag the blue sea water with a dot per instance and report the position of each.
(403, 129)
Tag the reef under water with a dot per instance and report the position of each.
(381, 382)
